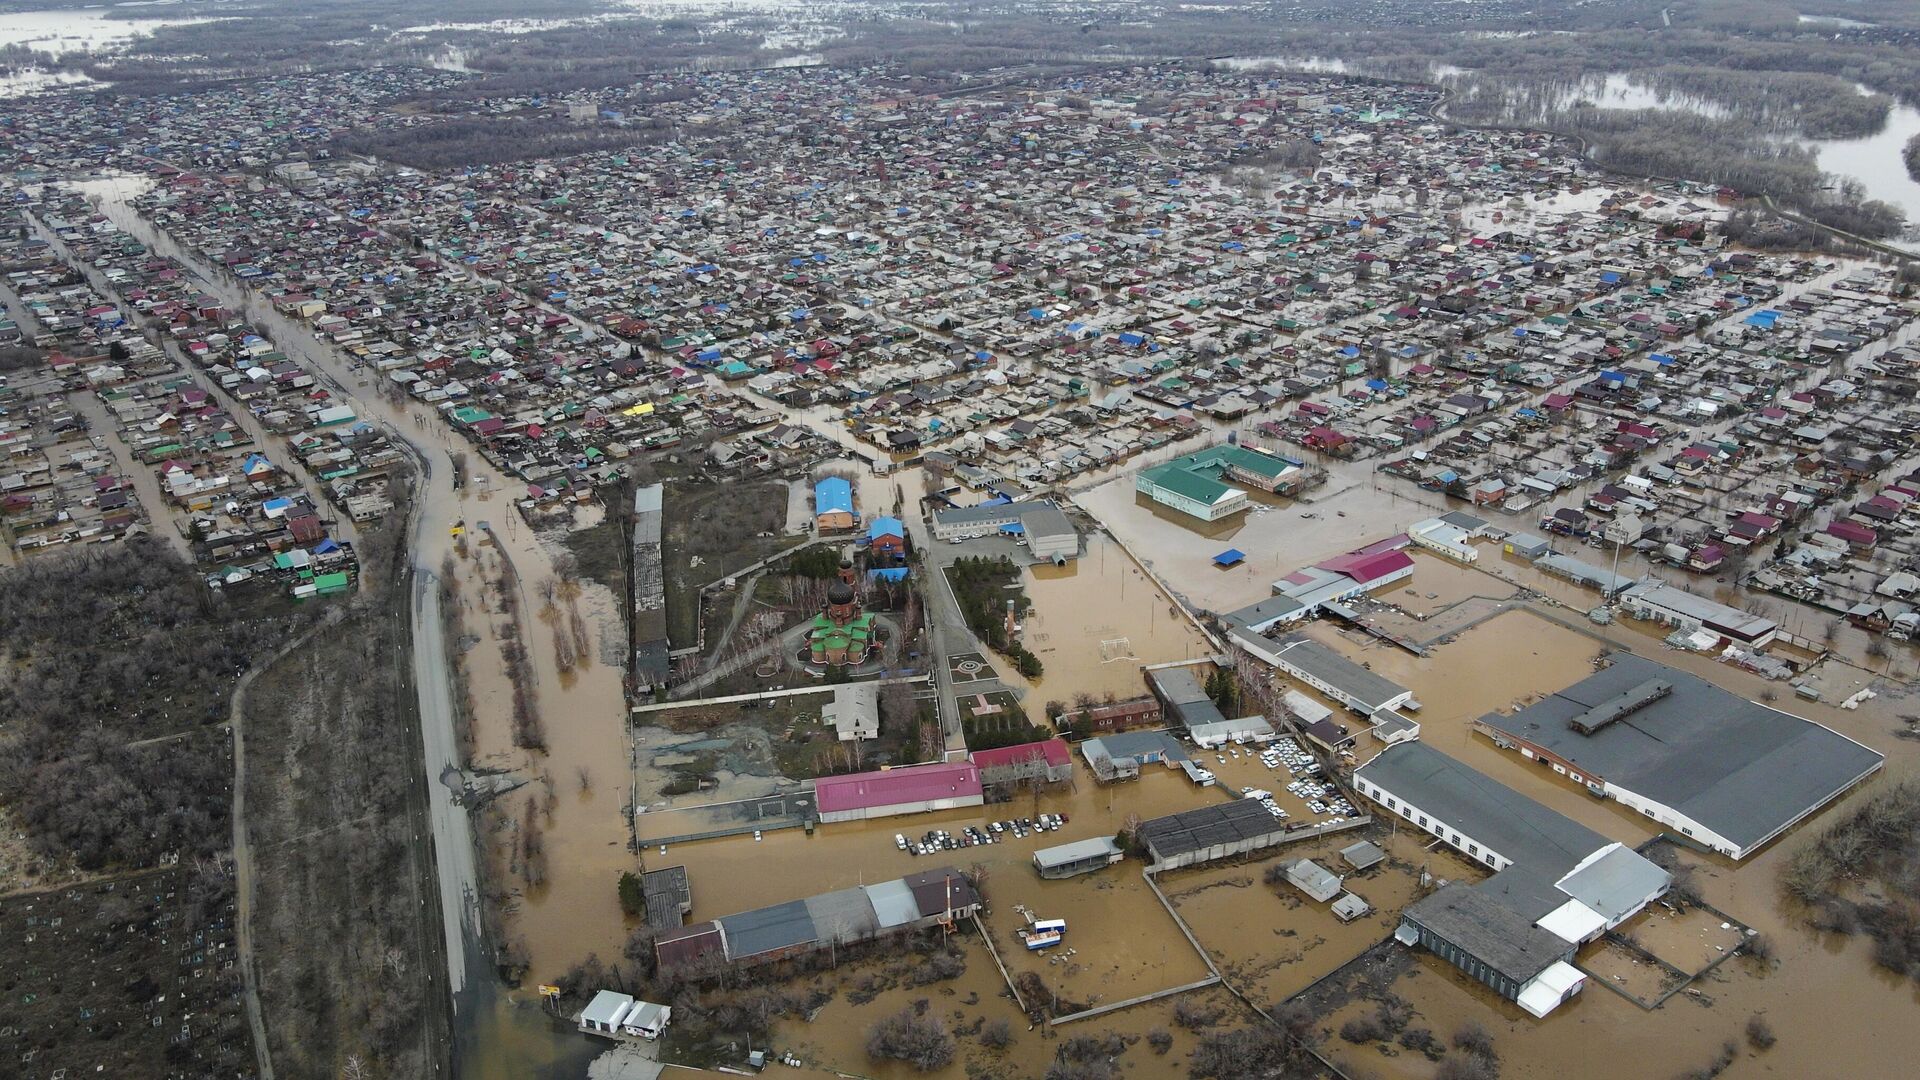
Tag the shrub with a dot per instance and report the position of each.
(910, 1036)
(996, 1035)
(632, 900)
(1363, 1029)
(1422, 1040)
(1760, 1034)
(1467, 1067)
(1474, 1039)
(1160, 1039)
(1194, 1014)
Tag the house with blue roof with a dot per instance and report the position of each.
(886, 540)
(833, 504)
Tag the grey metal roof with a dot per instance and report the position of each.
(1264, 612)
(1066, 854)
(1313, 879)
(1186, 697)
(1616, 884)
(1202, 828)
(1737, 767)
(767, 929)
(646, 512)
(1480, 925)
(1045, 520)
(1494, 814)
(1363, 854)
(666, 891)
(1122, 744)
(842, 915)
(1327, 665)
(1177, 686)
(893, 903)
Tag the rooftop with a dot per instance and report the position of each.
(1508, 823)
(1206, 826)
(1739, 768)
(888, 787)
(1369, 690)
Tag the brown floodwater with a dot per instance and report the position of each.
(1082, 612)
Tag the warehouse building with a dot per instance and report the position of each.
(1557, 884)
(912, 789)
(1727, 772)
(1657, 601)
(1303, 593)
(1079, 857)
(651, 667)
(1202, 835)
(1451, 535)
(1050, 536)
(1327, 671)
(917, 901)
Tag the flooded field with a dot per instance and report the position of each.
(1096, 621)
(1271, 940)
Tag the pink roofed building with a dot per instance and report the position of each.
(910, 789)
(1049, 761)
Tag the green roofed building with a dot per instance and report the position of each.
(1197, 484)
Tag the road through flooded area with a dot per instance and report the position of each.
(578, 779)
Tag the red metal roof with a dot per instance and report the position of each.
(1370, 566)
(1054, 750)
(888, 787)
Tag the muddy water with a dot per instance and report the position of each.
(1124, 943)
(1823, 992)
(1273, 941)
(1078, 608)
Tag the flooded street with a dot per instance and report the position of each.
(578, 784)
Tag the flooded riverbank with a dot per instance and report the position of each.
(579, 779)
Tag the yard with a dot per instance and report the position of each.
(713, 531)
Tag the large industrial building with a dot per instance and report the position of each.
(1729, 773)
(1327, 671)
(1658, 601)
(1557, 884)
(1079, 857)
(841, 917)
(1186, 701)
(911, 789)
